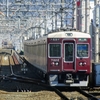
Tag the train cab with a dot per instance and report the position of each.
(69, 59)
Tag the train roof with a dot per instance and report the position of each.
(68, 34)
(61, 34)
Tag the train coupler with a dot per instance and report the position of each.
(69, 81)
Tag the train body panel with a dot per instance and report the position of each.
(35, 55)
(63, 56)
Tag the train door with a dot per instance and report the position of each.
(68, 55)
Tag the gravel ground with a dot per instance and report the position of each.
(42, 95)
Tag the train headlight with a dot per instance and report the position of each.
(52, 63)
(56, 63)
(84, 63)
(80, 63)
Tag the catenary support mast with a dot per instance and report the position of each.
(96, 59)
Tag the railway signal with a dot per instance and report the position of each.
(78, 3)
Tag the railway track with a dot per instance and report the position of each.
(88, 95)
(59, 92)
(11, 63)
(20, 82)
(25, 80)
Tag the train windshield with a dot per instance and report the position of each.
(55, 50)
(82, 50)
(69, 51)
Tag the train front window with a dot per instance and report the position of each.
(55, 50)
(82, 50)
(69, 51)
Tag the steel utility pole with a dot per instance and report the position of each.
(83, 15)
(87, 16)
(75, 14)
(62, 13)
(96, 23)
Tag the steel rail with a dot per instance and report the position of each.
(26, 78)
(87, 94)
(63, 97)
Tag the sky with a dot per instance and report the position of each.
(91, 10)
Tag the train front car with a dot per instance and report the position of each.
(69, 56)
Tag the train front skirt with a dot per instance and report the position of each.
(55, 81)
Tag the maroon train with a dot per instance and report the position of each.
(64, 57)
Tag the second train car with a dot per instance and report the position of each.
(64, 57)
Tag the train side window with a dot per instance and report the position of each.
(55, 50)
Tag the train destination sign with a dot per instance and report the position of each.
(82, 39)
(96, 16)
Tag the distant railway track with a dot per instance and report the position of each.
(10, 62)
(6, 59)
